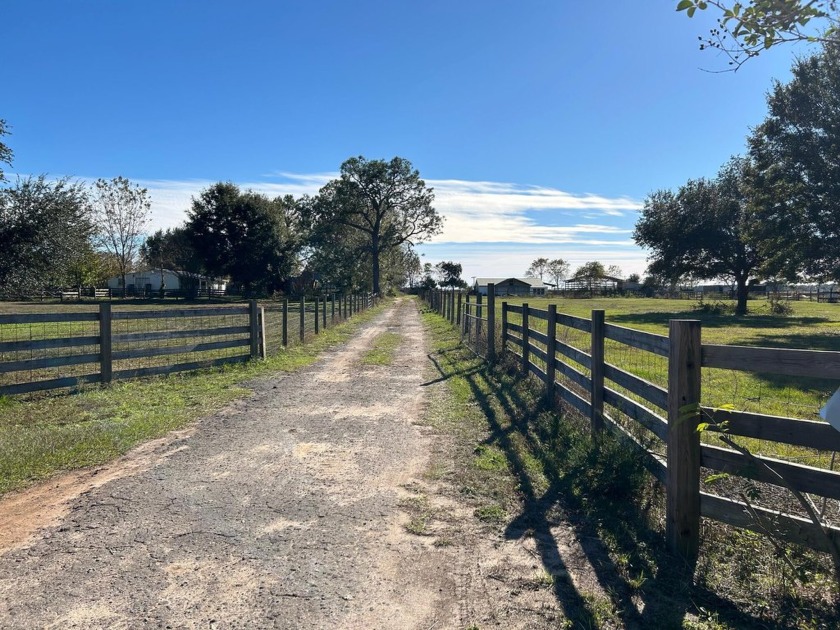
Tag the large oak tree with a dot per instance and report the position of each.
(796, 176)
(245, 235)
(386, 203)
(702, 230)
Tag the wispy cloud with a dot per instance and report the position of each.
(475, 211)
(493, 228)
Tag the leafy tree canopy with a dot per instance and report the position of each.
(45, 228)
(386, 202)
(558, 270)
(594, 270)
(745, 29)
(244, 235)
(171, 249)
(796, 175)
(614, 271)
(121, 214)
(702, 230)
(538, 268)
(450, 274)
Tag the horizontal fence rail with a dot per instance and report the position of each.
(664, 420)
(55, 350)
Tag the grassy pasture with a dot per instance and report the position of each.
(812, 325)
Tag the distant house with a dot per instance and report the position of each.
(149, 281)
(511, 286)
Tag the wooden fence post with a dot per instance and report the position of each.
(504, 326)
(491, 323)
(263, 342)
(317, 314)
(332, 309)
(285, 322)
(302, 318)
(458, 309)
(478, 314)
(254, 326)
(551, 351)
(324, 312)
(105, 343)
(682, 503)
(467, 320)
(597, 372)
(526, 349)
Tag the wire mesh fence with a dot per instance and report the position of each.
(51, 346)
(763, 402)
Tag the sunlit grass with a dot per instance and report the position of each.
(384, 349)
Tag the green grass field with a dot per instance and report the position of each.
(811, 325)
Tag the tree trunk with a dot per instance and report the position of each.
(375, 257)
(741, 295)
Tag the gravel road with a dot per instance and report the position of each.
(281, 510)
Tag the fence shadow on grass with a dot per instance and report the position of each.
(663, 592)
(446, 376)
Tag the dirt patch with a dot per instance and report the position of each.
(23, 513)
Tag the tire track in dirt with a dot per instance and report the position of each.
(281, 510)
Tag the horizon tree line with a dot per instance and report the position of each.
(357, 233)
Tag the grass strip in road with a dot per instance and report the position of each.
(44, 436)
(384, 348)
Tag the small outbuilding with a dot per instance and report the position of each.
(523, 287)
(146, 281)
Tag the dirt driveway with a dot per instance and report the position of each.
(281, 510)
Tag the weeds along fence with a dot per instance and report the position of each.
(67, 347)
(474, 316)
(648, 390)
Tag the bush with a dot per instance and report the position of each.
(718, 307)
(778, 305)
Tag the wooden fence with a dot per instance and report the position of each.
(474, 316)
(627, 405)
(68, 349)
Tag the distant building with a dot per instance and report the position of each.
(149, 281)
(511, 286)
(593, 285)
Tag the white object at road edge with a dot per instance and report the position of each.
(831, 411)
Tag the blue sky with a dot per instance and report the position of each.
(541, 125)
